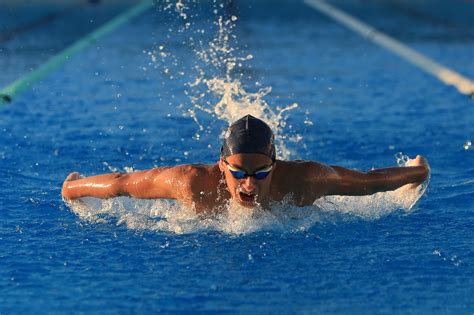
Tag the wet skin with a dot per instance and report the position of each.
(248, 191)
(210, 187)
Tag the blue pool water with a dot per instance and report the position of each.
(114, 106)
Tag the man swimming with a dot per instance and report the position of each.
(249, 173)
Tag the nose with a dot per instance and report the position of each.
(249, 183)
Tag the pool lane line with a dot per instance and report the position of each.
(447, 76)
(9, 93)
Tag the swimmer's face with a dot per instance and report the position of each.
(248, 191)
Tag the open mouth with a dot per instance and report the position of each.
(247, 198)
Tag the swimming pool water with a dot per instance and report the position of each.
(103, 110)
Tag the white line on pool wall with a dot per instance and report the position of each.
(464, 85)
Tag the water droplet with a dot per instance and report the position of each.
(401, 159)
(467, 145)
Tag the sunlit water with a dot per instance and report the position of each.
(127, 104)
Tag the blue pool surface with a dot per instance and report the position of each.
(111, 107)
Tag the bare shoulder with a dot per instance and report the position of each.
(199, 185)
(304, 180)
(197, 177)
(194, 171)
(303, 169)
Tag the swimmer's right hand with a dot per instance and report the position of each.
(65, 192)
(73, 176)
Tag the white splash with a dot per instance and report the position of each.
(216, 86)
(171, 217)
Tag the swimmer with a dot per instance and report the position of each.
(249, 173)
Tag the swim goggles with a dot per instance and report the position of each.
(239, 174)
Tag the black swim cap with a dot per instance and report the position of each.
(249, 135)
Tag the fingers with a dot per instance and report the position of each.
(414, 162)
(418, 161)
(421, 160)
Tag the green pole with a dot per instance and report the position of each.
(9, 93)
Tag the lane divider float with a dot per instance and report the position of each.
(9, 93)
(447, 76)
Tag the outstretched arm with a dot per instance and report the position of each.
(169, 182)
(341, 181)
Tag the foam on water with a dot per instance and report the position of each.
(170, 216)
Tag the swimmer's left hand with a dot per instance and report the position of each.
(418, 161)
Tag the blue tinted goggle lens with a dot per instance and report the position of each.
(262, 174)
(238, 174)
(241, 174)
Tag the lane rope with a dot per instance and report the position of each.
(9, 93)
(447, 76)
